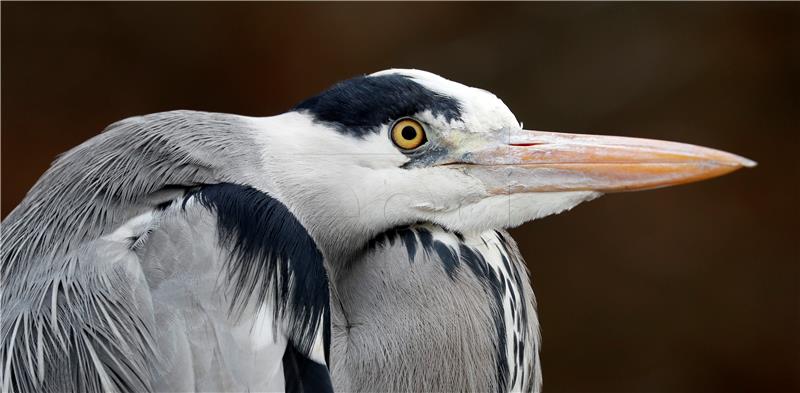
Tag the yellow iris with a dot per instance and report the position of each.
(408, 134)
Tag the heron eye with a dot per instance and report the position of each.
(408, 134)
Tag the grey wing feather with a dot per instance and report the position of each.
(146, 308)
(86, 327)
(80, 311)
(204, 346)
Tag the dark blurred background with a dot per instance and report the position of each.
(688, 289)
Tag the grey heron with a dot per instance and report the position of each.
(356, 243)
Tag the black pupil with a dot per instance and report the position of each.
(409, 132)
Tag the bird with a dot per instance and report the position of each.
(356, 242)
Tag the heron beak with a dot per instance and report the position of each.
(537, 161)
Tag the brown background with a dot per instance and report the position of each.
(689, 289)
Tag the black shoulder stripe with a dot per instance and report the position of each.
(303, 374)
(270, 250)
(326, 334)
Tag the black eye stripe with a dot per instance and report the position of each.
(360, 106)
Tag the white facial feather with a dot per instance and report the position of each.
(509, 211)
(325, 176)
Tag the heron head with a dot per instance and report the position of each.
(404, 146)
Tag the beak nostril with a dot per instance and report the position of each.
(526, 144)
